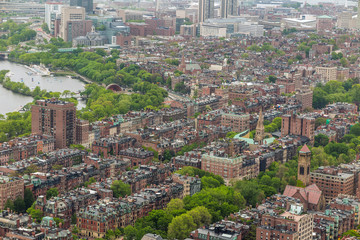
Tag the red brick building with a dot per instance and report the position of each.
(311, 197)
(237, 122)
(55, 118)
(10, 188)
(137, 156)
(301, 125)
(288, 225)
(333, 181)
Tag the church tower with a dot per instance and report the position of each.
(304, 165)
(260, 131)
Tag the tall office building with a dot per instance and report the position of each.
(228, 7)
(55, 118)
(206, 10)
(87, 4)
(73, 23)
(52, 11)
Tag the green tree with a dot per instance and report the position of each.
(45, 28)
(28, 198)
(120, 189)
(9, 204)
(181, 226)
(58, 221)
(355, 129)
(272, 78)
(130, 233)
(344, 62)
(321, 140)
(319, 121)
(175, 204)
(35, 214)
(73, 219)
(250, 191)
(52, 192)
(209, 182)
(265, 180)
(200, 215)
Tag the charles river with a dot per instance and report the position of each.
(10, 101)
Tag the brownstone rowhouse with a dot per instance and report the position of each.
(56, 118)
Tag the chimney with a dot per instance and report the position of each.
(18, 223)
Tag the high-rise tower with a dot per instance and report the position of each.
(228, 7)
(87, 4)
(55, 118)
(206, 10)
(304, 165)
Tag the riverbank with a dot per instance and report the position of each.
(19, 92)
(73, 75)
(59, 73)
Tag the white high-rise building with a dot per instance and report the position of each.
(52, 11)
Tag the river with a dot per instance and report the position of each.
(10, 101)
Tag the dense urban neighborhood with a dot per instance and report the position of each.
(168, 119)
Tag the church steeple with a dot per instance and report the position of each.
(304, 165)
(260, 130)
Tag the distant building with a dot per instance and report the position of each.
(10, 188)
(87, 4)
(333, 181)
(82, 132)
(347, 20)
(110, 27)
(73, 23)
(303, 23)
(188, 30)
(301, 125)
(228, 7)
(230, 167)
(291, 225)
(222, 230)
(55, 118)
(52, 12)
(326, 73)
(324, 23)
(237, 122)
(305, 97)
(311, 196)
(191, 185)
(206, 10)
(91, 39)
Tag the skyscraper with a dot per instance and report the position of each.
(52, 10)
(206, 10)
(87, 4)
(228, 7)
(55, 118)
